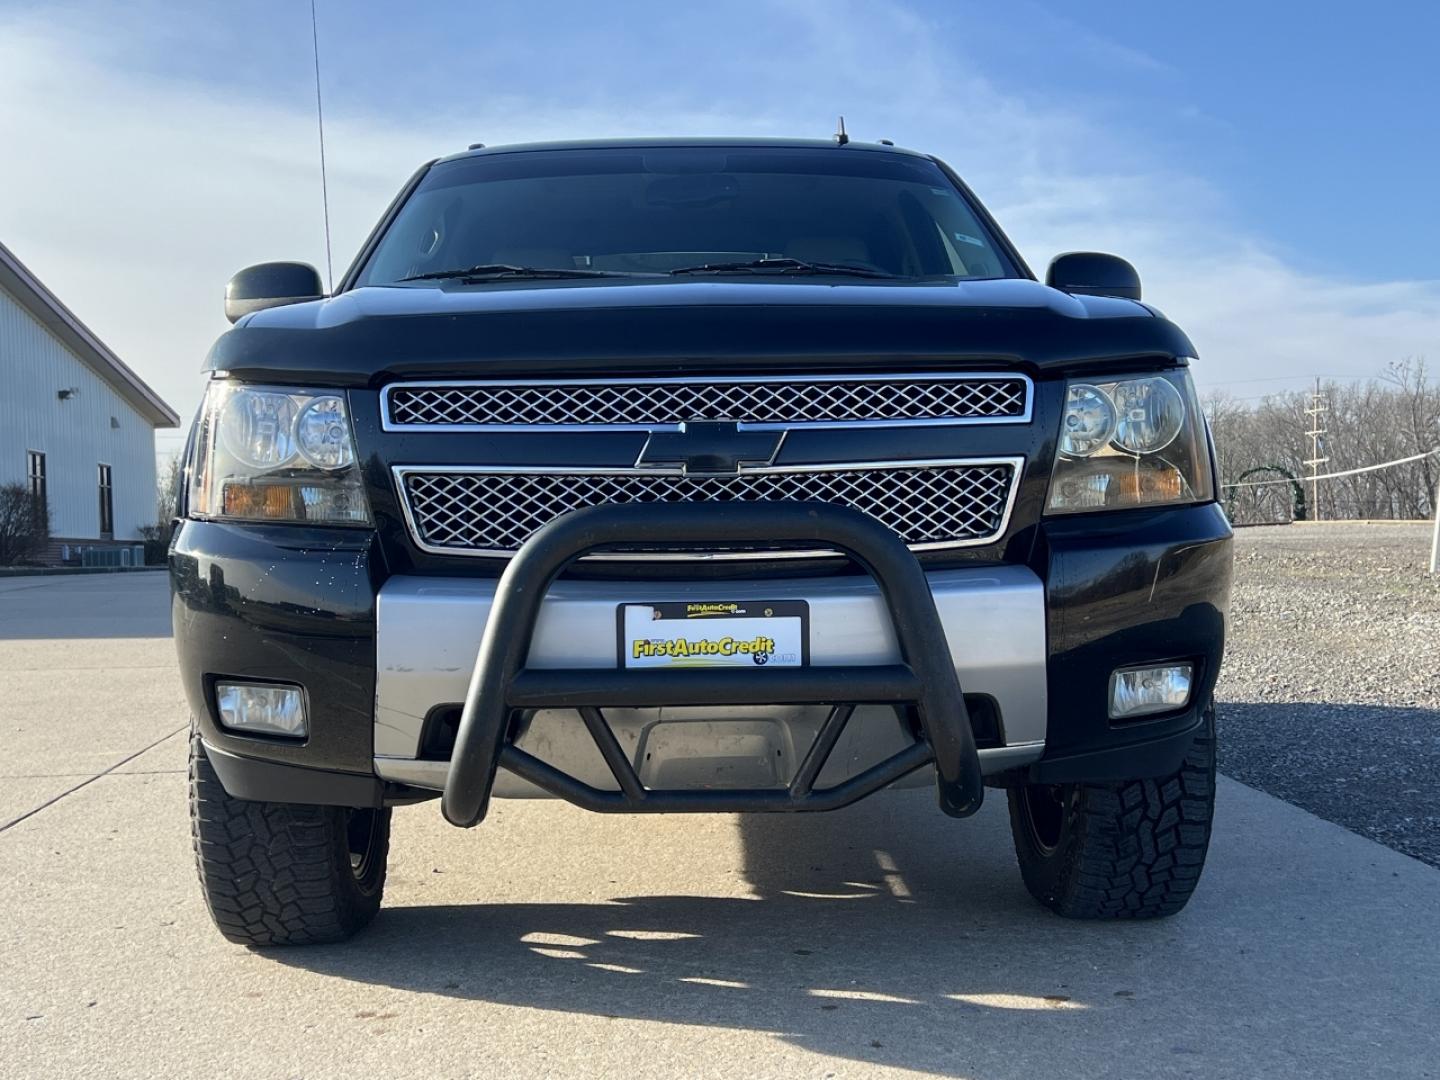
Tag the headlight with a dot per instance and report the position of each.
(258, 428)
(322, 432)
(274, 454)
(1130, 442)
(1149, 414)
(1089, 420)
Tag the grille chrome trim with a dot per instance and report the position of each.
(401, 473)
(802, 379)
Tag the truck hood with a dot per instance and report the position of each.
(527, 328)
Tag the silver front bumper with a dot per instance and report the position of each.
(428, 632)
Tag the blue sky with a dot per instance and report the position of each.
(1270, 167)
(1319, 122)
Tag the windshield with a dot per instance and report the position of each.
(656, 210)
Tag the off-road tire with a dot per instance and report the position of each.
(1131, 850)
(283, 873)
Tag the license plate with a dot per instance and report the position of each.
(743, 634)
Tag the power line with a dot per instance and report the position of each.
(1279, 378)
(1273, 395)
(1203, 385)
(1335, 475)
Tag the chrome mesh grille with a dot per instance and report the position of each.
(491, 512)
(793, 401)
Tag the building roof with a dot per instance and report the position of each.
(45, 306)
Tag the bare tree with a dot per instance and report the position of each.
(167, 489)
(167, 502)
(1394, 416)
(24, 525)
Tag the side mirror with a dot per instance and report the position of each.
(1091, 273)
(270, 285)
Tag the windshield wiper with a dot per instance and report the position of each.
(495, 271)
(782, 266)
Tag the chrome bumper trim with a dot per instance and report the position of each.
(429, 629)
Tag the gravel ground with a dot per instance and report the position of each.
(1330, 695)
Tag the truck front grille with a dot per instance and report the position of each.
(623, 403)
(478, 511)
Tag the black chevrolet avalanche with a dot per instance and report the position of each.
(696, 476)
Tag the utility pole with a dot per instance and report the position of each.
(1316, 410)
(1435, 538)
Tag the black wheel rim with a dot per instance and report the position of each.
(1045, 810)
(361, 829)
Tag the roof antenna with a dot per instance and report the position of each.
(320, 121)
(840, 137)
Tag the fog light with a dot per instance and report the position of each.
(259, 709)
(1141, 691)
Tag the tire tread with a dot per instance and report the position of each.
(272, 873)
(1134, 850)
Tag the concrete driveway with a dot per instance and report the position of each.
(882, 940)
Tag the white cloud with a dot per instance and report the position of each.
(135, 195)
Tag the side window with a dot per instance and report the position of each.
(35, 476)
(107, 504)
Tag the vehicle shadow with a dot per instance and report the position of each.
(884, 934)
(842, 949)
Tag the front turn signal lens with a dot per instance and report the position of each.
(1150, 482)
(270, 502)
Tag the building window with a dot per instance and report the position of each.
(35, 474)
(107, 505)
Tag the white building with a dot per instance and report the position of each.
(76, 424)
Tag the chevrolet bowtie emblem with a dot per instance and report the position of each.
(709, 446)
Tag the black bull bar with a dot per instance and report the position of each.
(502, 687)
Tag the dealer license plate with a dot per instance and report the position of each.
(744, 634)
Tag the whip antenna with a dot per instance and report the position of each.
(320, 122)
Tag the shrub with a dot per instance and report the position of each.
(157, 542)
